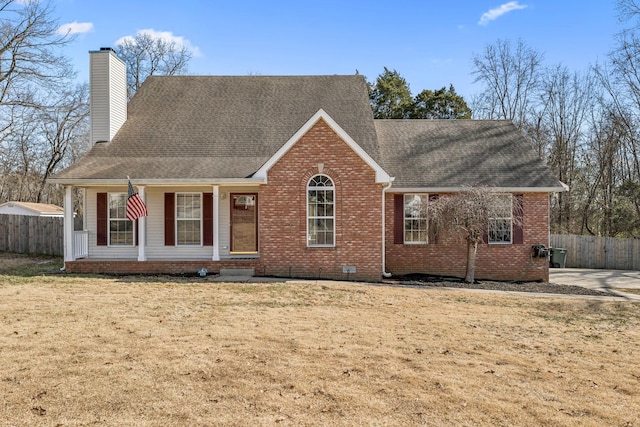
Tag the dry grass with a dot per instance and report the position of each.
(165, 351)
(628, 290)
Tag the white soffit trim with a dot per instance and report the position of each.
(381, 175)
(564, 187)
(158, 182)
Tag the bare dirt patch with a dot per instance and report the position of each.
(170, 351)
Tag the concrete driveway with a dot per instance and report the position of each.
(612, 281)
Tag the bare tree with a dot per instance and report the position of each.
(63, 126)
(472, 212)
(29, 50)
(32, 70)
(604, 198)
(147, 55)
(569, 99)
(511, 75)
(621, 81)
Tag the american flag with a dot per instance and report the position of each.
(135, 206)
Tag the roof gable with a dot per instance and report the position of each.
(381, 174)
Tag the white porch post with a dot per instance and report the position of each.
(83, 192)
(216, 223)
(142, 229)
(68, 223)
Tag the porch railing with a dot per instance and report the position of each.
(80, 244)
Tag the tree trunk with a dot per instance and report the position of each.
(472, 247)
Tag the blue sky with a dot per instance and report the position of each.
(430, 43)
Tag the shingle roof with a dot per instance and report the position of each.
(42, 208)
(206, 127)
(458, 153)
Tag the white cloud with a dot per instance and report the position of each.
(166, 36)
(75, 27)
(497, 12)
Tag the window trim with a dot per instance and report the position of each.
(176, 219)
(509, 219)
(332, 188)
(404, 219)
(124, 218)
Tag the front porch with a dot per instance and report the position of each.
(222, 223)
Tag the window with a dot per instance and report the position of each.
(320, 211)
(415, 218)
(188, 219)
(501, 221)
(120, 228)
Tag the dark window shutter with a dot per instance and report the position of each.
(485, 235)
(518, 233)
(169, 219)
(398, 219)
(102, 216)
(433, 230)
(136, 231)
(207, 219)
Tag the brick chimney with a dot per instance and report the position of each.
(107, 94)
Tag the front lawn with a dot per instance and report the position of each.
(150, 351)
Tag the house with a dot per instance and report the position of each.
(31, 209)
(290, 176)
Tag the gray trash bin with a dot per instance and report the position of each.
(558, 257)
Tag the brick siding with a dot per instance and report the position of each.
(448, 256)
(358, 207)
(358, 203)
(120, 266)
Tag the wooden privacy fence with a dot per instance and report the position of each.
(31, 234)
(599, 252)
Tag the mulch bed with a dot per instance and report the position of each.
(453, 282)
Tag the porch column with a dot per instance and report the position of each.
(68, 223)
(142, 229)
(216, 223)
(83, 193)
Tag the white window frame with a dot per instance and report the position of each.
(178, 218)
(314, 217)
(500, 215)
(422, 216)
(123, 219)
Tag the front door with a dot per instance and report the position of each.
(244, 223)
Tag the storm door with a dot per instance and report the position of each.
(244, 223)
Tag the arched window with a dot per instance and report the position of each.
(320, 211)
